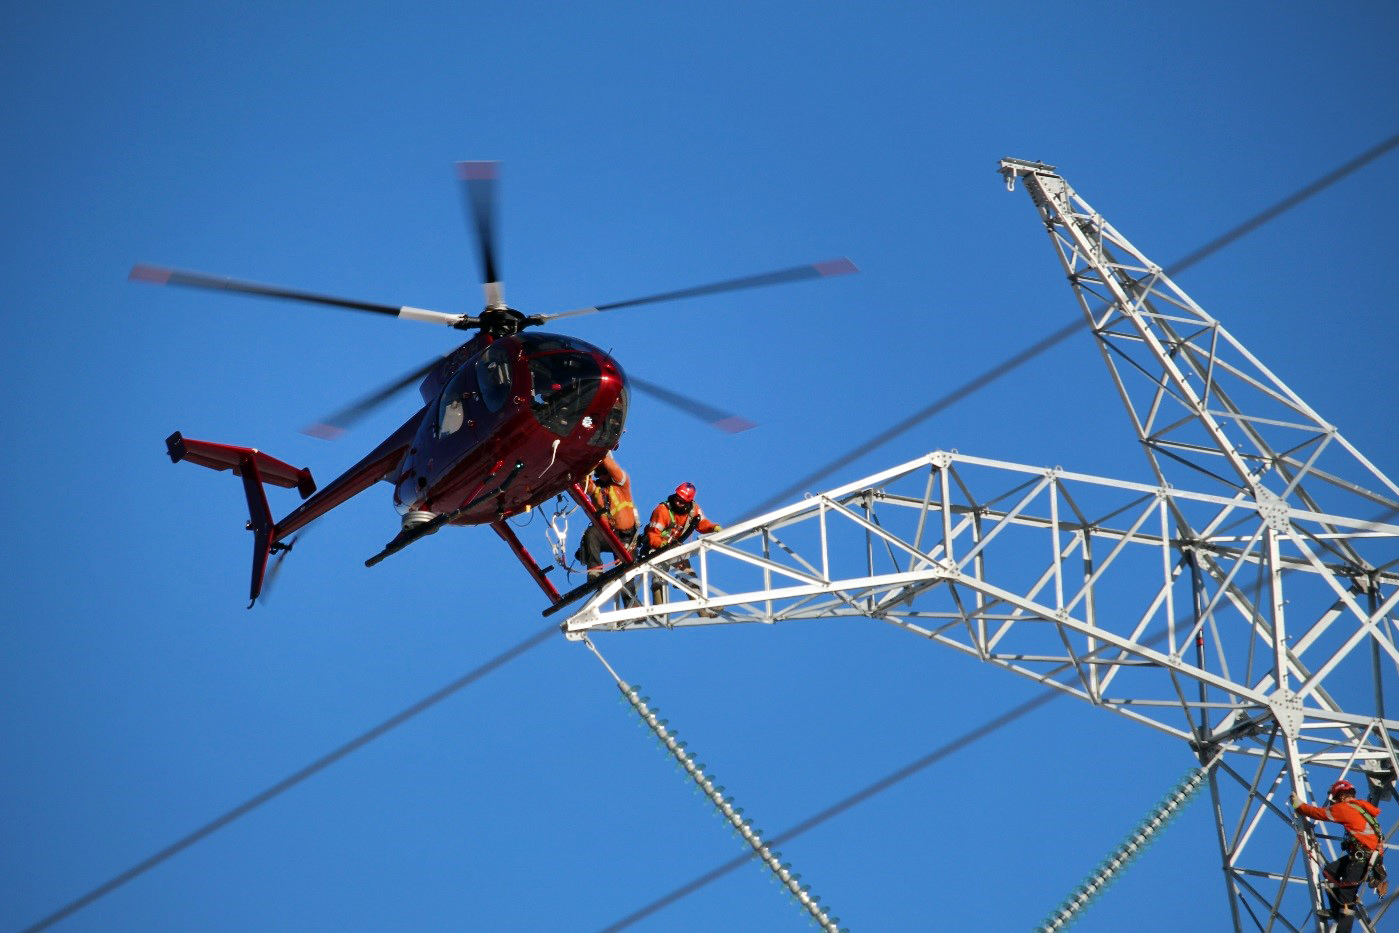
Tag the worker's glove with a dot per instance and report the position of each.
(1379, 878)
(1293, 802)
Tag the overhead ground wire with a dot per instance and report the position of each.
(1064, 333)
(287, 783)
(510, 654)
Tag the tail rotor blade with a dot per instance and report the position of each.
(275, 570)
(714, 417)
(816, 270)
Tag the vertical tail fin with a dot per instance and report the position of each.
(256, 468)
(260, 523)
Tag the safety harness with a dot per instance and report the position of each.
(676, 530)
(608, 499)
(1374, 858)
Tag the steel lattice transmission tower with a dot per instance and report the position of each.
(1242, 600)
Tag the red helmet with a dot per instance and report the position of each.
(685, 492)
(1342, 787)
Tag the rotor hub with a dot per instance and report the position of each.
(502, 322)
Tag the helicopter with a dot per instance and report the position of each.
(510, 419)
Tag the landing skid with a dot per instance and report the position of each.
(592, 586)
(408, 535)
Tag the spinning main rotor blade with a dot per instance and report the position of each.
(816, 270)
(479, 179)
(159, 275)
(725, 421)
(918, 417)
(332, 426)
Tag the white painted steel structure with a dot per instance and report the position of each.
(1243, 602)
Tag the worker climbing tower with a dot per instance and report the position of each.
(1239, 596)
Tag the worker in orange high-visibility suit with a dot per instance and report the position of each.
(676, 517)
(671, 522)
(609, 489)
(1363, 852)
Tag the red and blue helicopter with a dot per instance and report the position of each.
(510, 419)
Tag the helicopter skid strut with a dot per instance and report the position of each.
(507, 534)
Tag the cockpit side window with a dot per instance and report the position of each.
(611, 430)
(493, 374)
(451, 407)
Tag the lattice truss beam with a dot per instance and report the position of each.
(1076, 581)
(1244, 602)
(1250, 639)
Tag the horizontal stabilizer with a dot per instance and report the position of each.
(226, 457)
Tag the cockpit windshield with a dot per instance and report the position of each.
(564, 386)
(534, 344)
(493, 374)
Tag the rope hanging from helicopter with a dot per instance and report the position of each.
(556, 534)
(555, 531)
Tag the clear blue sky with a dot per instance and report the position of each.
(645, 147)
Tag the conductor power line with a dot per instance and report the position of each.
(941, 404)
